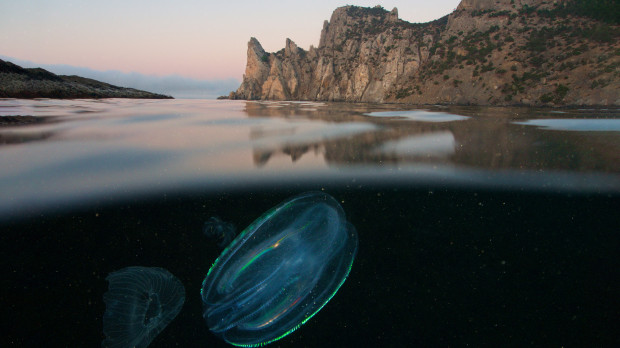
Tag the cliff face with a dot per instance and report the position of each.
(17, 82)
(487, 52)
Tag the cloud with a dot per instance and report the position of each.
(174, 85)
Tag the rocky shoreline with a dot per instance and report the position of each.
(487, 52)
(18, 82)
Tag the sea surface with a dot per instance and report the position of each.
(477, 226)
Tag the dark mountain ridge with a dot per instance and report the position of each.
(18, 82)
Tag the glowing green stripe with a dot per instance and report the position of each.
(252, 260)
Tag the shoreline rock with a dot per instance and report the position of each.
(18, 82)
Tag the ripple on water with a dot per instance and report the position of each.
(576, 124)
(419, 115)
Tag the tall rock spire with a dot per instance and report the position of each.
(256, 72)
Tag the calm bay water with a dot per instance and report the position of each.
(479, 226)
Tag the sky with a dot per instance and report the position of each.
(190, 39)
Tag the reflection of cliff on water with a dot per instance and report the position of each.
(489, 139)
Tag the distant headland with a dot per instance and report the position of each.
(487, 52)
(18, 82)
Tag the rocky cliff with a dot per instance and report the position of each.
(17, 82)
(487, 52)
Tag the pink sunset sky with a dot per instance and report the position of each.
(190, 38)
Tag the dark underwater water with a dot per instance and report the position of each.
(479, 230)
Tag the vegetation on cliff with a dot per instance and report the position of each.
(605, 10)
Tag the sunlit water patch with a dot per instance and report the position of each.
(438, 144)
